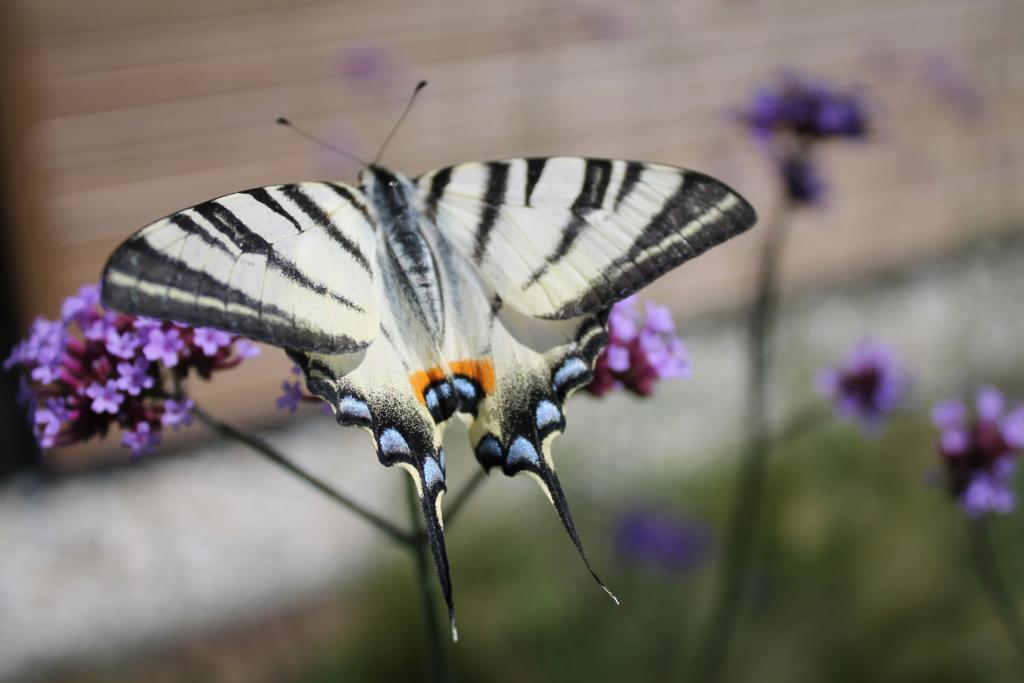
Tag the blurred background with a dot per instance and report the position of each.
(204, 563)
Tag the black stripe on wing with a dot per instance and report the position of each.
(700, 214)
(597, 174)
(175, 288)
(316, 214)
(438, 183)
(629, 181)
(227, 223)
(494, 197)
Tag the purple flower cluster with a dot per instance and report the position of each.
(806, 107)
(868, 385)
(662, 541)
(639, 352)
(94, 368)
(980, 450)
(794, 114)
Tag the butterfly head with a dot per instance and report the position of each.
(389, 192)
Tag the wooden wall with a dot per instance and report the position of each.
(129, 110)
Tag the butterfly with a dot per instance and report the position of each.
(478, 291)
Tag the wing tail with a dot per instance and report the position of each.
(430, 485)
(553, 489)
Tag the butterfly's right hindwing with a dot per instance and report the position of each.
(290, 265)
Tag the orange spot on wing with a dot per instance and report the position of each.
(481, 370)
(422, 379)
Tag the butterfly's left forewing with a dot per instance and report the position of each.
(290, 265)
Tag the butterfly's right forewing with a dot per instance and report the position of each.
(560, 237)
(290, 265)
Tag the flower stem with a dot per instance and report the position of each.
(420, 550)
(270, 453)
(743, 516)
(995, 588)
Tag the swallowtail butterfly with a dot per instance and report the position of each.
(479, 291)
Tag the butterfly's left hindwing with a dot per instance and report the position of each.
(290, 265)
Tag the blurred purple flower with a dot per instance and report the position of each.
(210, 340)
(163, 345)
(48, 420)
(246, 349)
(639, 353)
(105, 397)
(368, 64)
(805, 107)
(802, 180)
(794, 115)
(980, 449)
(177, 413)
(77, 305)
(868, 385)
(95, 368)
(123, 344)
(291, 397)
(134, 377)
(657, 540)
(141, 439)
(292, 394)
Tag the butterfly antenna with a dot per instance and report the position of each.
(419, 86)
(282, 121)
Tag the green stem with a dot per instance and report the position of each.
(420, 551)
(267, 451)
(742, 526)
(995, 588)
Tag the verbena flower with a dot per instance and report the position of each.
(95, 368)
(292, 394)
(868, 385)
(979, 450)
(369, 64)
(806, 107)
(792, 116)
(662, 541)
(641, 350)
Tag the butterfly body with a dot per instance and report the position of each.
(392, 203)
(478, 291)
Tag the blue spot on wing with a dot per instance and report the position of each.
(522, 452)
(465, 388)
(571, 369)
(547, 414)
(432, 473)
(393, 443)
(353, 408)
